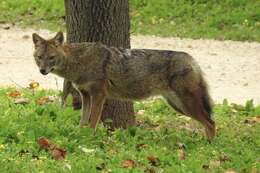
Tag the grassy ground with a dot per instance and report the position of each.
(225, 19)
(163, 141)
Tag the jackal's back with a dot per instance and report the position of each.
(139, 73)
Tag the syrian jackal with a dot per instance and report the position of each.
(99, 72)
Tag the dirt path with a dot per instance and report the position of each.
(231, 68)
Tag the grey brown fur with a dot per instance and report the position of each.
(100, 72)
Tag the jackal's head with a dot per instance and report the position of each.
(48, 54)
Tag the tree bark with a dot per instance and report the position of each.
(105, 21)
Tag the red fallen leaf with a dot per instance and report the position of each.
(14, 94)
(58, 153)
(128, 163)
(153, 160)
(43, 143)
(43, 101)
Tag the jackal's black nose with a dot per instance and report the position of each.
(43, 72)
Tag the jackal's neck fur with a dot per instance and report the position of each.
(80, 58)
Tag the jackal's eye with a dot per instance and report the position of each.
(39, 57)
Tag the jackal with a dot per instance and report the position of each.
(100, 72)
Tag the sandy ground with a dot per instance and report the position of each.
(231, 68)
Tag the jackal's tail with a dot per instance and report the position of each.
(206, 99)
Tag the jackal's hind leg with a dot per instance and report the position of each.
(174, 102)
(193, 94)
(86, 108)
(96, 109)
(193, 107)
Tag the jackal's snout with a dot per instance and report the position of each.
(43, 71)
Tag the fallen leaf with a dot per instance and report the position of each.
(33, 85)
(43, 101)
(22, 101)
(128, 163)
(14, 94)
(181, 154)
(154, 161)
(43, 143)
(86, 150)
(58, 153)
(252, 120)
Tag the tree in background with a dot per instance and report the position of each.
(105, 21)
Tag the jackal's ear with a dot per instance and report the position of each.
(59, 38)
(37, 40)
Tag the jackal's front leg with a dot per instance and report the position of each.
(86, 108)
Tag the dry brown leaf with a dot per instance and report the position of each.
(181, 154)
(34, 85)
(154, 161)
(43, 143)
(58, 153)
(14, 94)
(252, 120)
(43, 101)
(22, 101)
(128, 163)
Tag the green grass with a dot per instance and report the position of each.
(225, 19)
(160, 131)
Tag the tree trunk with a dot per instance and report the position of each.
(105, 21)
